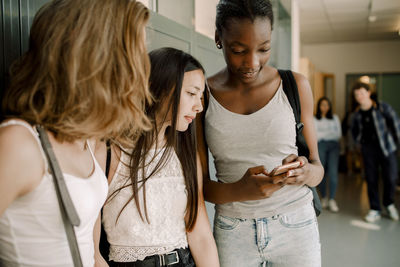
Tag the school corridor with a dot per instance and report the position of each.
(347, 240)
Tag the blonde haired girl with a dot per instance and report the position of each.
(83, 78)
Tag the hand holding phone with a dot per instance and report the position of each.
(284, 168)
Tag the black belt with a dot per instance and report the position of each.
(167, 259)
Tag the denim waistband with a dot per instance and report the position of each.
(264, 210)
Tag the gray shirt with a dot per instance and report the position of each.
(265, 137)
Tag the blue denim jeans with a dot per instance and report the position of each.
(284, 240)
(329, 155)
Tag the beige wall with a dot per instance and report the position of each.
(295, 27)
(343, 58)
(205, 12)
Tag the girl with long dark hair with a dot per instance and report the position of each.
(155, 213)
(329, 132)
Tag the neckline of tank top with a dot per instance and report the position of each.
(253, 113)
(17, 121)
(88, 178)
(94, 170)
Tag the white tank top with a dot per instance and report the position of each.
(265, 137)
(31, 228)
(133, 239)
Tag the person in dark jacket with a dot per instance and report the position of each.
(376, 128)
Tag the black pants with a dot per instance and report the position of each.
(185, 260)
(373, 159)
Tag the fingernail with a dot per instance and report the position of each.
(289, 173)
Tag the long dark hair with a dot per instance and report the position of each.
(251, 9)
(329, 113)
(168, 66)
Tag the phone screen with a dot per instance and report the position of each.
(284, 168)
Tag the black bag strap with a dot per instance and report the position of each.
(69, 215)
(104, 245)
(292, 92)
(108, 158)
(206, 95)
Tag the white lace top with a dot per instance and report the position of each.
(133, 239)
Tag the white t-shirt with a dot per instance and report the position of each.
(328, 129)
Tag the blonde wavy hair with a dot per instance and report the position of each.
(86, 72)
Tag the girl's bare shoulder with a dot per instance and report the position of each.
(21, 154)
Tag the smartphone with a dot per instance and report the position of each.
(284, 168)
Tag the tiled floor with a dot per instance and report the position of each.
(348, 241)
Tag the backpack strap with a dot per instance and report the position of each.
(292, 93)
(206, 96)
(104, 245)
(291, 90)
(108, 158)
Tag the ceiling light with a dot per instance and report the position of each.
(372, 18)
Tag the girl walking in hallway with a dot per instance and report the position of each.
(328, 133)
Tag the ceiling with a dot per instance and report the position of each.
(325, 21)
